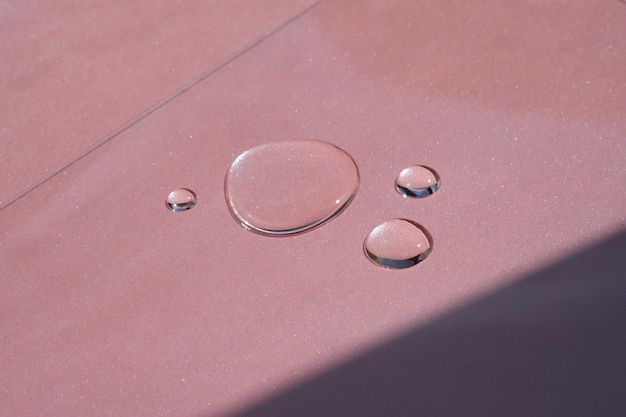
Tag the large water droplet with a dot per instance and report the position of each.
(417, 181)
(398, 244)
(181, 199)
(286, 188)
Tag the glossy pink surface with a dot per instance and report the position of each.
(112, 305)
(72, 74)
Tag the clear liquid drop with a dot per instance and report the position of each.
(398, 244)
(417, 181)
(181, 199)
(290, 187)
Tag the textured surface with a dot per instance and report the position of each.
(549, 344)
(113, 305)
(73, 73)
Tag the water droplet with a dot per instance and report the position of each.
(417, 181)
(398, 244)
(181, 199)
(289, 187)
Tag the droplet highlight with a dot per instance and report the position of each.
(417, 181)
(181, 199)
(290, 187)
(398, 244)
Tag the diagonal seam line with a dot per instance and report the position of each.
(159, 104)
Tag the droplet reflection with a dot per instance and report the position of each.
(181, 199)
(398, 244)
(290, 187)
(417, 181)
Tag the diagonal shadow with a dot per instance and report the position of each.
(551, 344)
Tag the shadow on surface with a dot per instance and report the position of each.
(551, 344)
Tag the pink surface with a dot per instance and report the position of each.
(72, 73)
(112, 304)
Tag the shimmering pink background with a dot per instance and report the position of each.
(113, 305)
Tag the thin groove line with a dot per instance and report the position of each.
(158, 105)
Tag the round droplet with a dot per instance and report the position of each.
(181, 199)
(398, 244)
(286, 188)
(417, 181)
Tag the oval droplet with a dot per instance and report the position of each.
(181, 199)
(398, 244)
(417, 181)
(289, 187)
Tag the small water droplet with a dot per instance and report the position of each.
(417, 181)
(181, 199)
(289, 187)
(398, 244)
